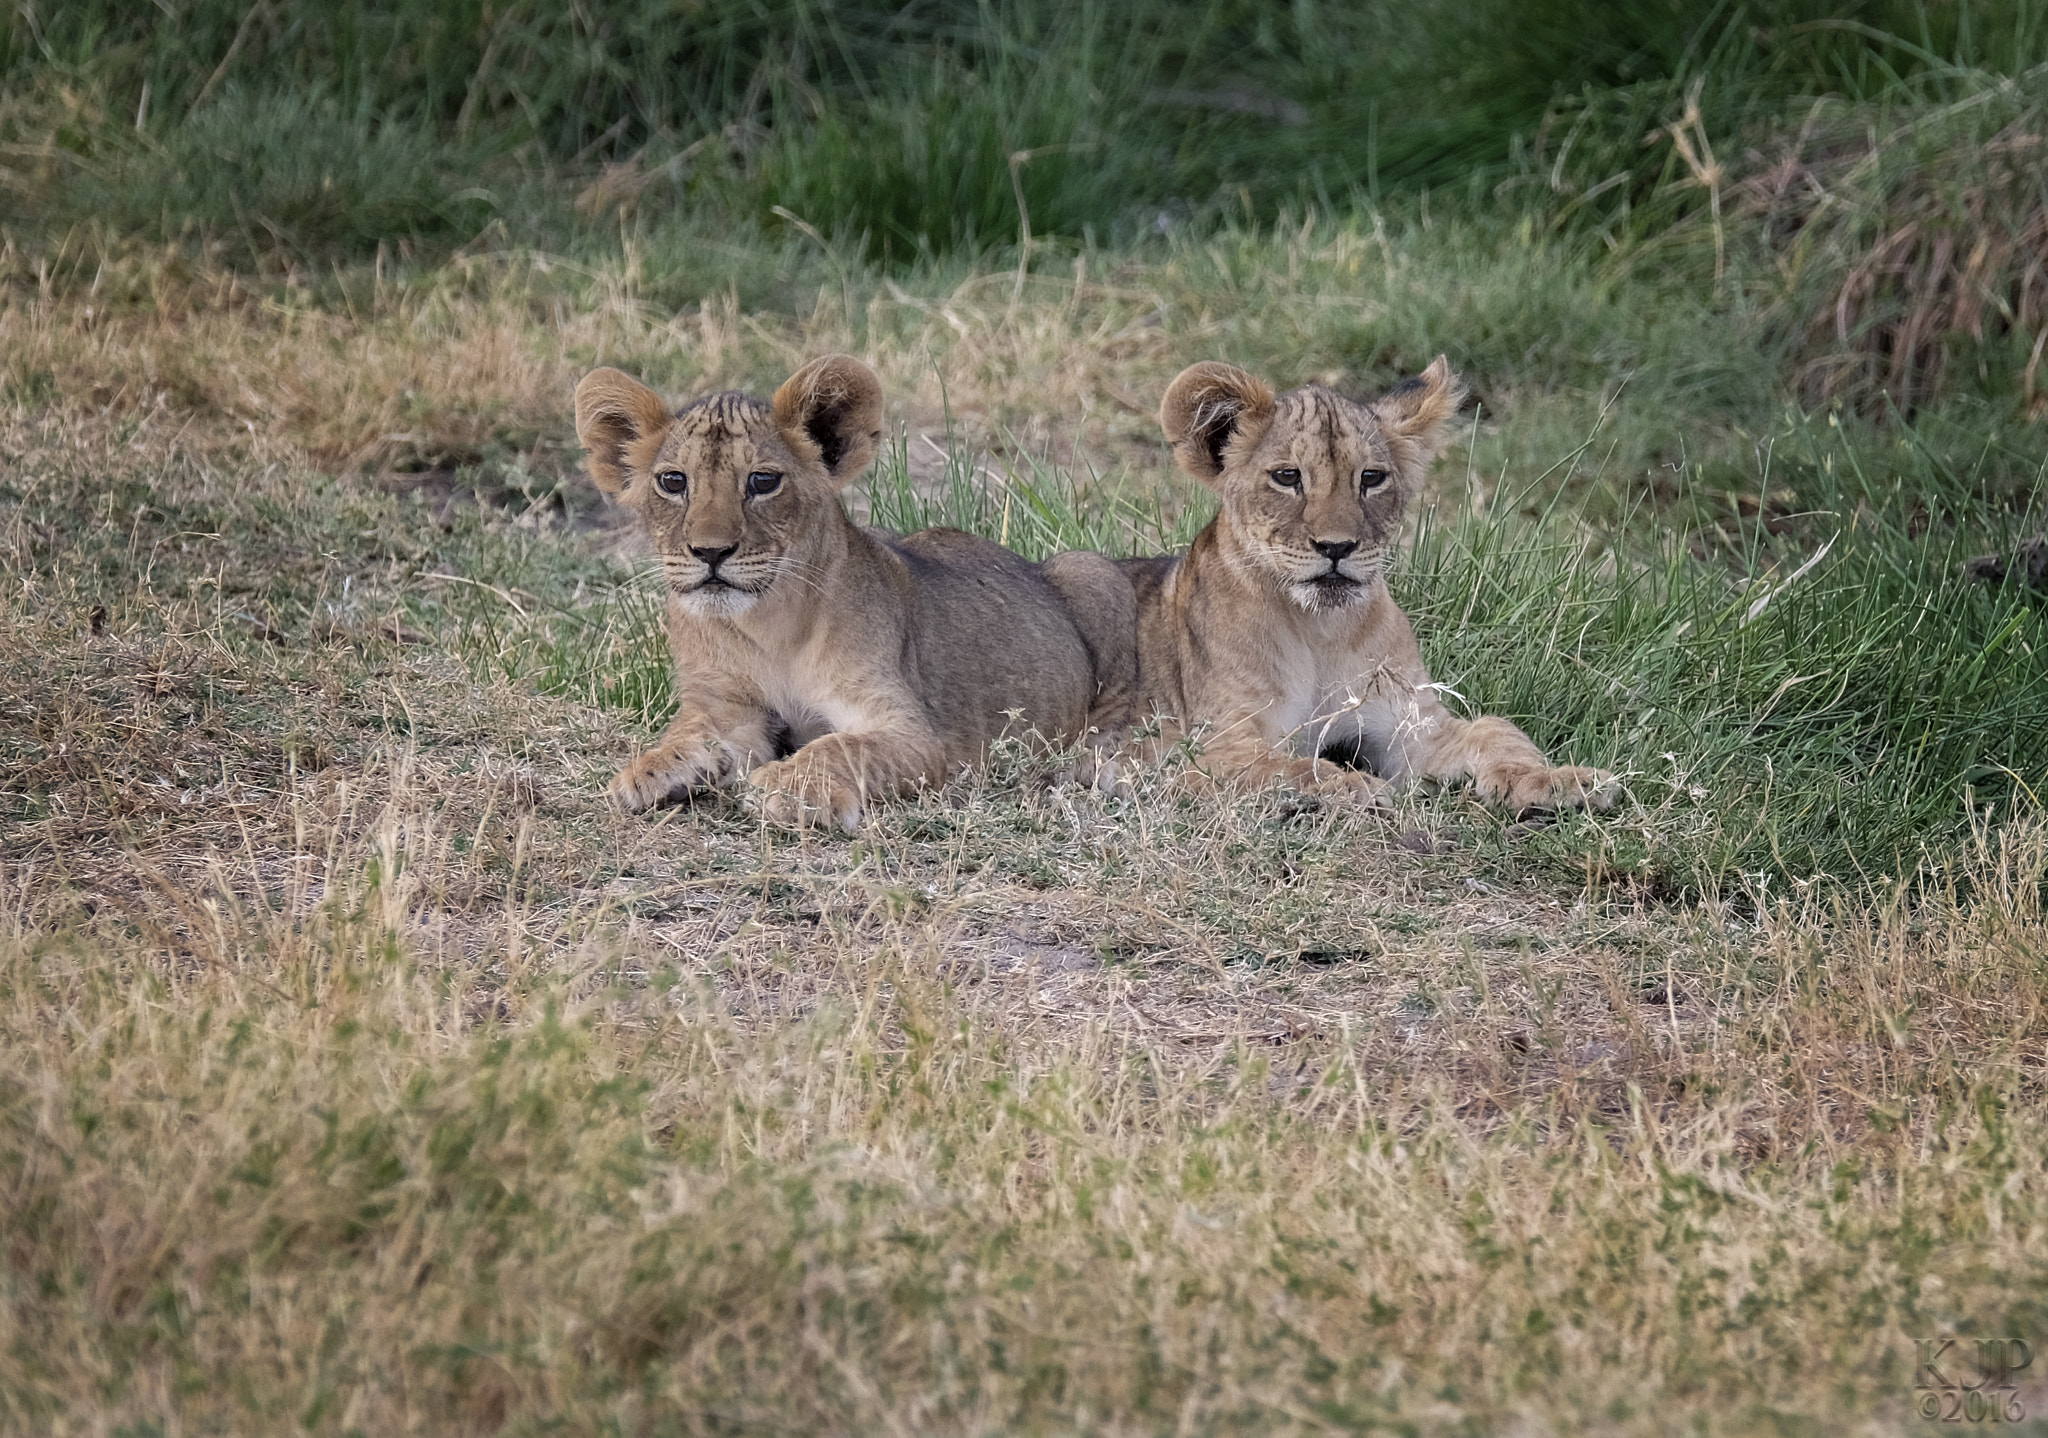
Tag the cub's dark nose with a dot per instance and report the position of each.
(1335, 549)
(712, 558)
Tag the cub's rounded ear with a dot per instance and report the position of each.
(1207, 407)
(614, 414)
(1416, 409)
(833, 404)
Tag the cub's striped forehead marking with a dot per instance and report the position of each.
(1312, 414)
(714, 422)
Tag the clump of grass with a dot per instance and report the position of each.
(1869, 178)
(608, 650)
(1038, 507)
(1912, 247)
(969, 150)
(290, 173)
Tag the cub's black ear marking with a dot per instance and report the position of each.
(1210, 429)
(825, 425)
(1412, 417)
(833, 405)
(1417, 408)
(615, 416)
(1207, 407)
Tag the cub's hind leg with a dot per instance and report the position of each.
(1104, 608)
(1237, 757)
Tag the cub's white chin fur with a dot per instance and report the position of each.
(1317, 598)
(716, 601)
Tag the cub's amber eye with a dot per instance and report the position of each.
(1371, 479)
(1287, 478)
(763, 482)
(672, 481)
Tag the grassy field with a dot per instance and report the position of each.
(362, 1072)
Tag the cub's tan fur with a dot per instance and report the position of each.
(824, 663)
(1275, 631)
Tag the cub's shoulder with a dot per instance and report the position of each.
(1148, 575)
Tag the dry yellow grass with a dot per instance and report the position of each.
(377, 368)
(359, 1072)
(438, 367)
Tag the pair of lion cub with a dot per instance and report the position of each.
(829, 665)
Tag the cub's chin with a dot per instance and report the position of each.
(1334, 591)
(716, 601)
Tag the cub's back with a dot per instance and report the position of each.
(988, 633)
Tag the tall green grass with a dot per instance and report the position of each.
(1803, 684)
(291, 173)
(904, 123)
(1038, 509)
(947, 156)
(1689, 141)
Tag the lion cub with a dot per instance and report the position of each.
(1276, 630)
(825, 664)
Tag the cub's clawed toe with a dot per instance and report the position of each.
(1551, 790)
(663, 774)
(800, 795)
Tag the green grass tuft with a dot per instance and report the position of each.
(291, 174)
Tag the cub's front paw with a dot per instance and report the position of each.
(666, 773)
(1107, 773)
(797, 791)
(1337, 781)
(1569, 786)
